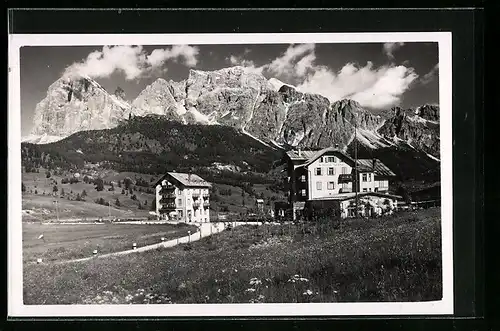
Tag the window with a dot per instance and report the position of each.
(318, 171)
(364, 178)
(179, 202)
(369, 177)
(331, 171)
(303, 178)
(376, 189)
(370, 189)
(345, 185)
(331, 185)
(321, 160)
(331, 159)
(344, 170)
(365, 190)
(319, 186)
(303, 192)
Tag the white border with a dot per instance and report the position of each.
(15, 277)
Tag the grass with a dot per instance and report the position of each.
(71, 241)
(42, 207)
(395, 258)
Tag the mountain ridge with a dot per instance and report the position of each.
(278, 116)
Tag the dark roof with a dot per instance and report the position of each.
(189, 180)
(311, 156)
(300, 155)
(380, 169)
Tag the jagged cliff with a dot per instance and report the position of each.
(73, 105)
(268, 110)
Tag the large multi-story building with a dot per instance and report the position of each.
(183, 197)
(329, 175)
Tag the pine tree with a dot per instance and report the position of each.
(78, 197)
(99, 184)
(55, 189)
(117, 202)
(84, 193)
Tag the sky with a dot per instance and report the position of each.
(377, 75)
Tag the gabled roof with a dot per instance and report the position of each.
(378, 167)
(300, 155)
(311, 156)
(188, 180)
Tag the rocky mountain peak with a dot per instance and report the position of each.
(120, 93)
(76, 103)
(428, 112)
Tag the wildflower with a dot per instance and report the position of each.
(235, 270)
(308, 292)
(261, 297)
(255, 281)
(218, 291)
(207, 297)
(129, 297)
(250, 290)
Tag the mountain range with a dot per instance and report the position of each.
(270, 111)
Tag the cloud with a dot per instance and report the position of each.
(285, 65)
(429, 77)
(248, 65)
(390, 48)
(294, 62)
(374, 87)
(133, 61)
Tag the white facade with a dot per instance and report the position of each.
(192, 204)
(323, 177)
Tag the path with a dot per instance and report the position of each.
(203, 231)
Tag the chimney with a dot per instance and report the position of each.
(189, 177)
(298, 152)
(374, 161)
(336, 146)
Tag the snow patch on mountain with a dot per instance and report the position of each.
(277, 84)
(41, 139)
(433, 157)
(259, 140)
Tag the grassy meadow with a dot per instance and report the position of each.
(38, 199)
(71, 241)
(394, 258)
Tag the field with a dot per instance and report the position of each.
(395, 258)
(39, 205)
(70, 241)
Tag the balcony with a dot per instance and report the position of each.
(168, 207)
(167, 189)
(206, 196)
(196, 204)
(345, 178)
(206, 204)
(196, 195)
(168, 195)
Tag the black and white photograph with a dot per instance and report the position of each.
(230, 174)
